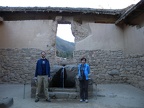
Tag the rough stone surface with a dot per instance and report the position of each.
(80, 31)
(114, 67)
(70, 75)
(18, 66)
(6, 102)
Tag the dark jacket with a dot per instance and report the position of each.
(38, 70)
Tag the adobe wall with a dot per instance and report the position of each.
(103, 46)
(134, 55)
(115, 55)
(20, 45)
(99, 36)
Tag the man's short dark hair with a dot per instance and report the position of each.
(83, 58)
(43, 52)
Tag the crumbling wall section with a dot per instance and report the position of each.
(80, 30)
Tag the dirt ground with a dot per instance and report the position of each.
(108, 96)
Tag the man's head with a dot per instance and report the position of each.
(43, 54)
(83, 60)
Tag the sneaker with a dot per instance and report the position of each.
(36, 100)
(81, 100)
(86, 101)
(48, 100)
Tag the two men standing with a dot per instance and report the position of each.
(42, 75)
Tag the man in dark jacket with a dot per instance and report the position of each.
(42, 75)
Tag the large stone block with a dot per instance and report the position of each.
(64, 95)
(6, 102)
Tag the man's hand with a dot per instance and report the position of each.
(89, 75)
(77, 76)
(35, 78)
(49, 78)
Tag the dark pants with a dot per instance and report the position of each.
(84, 89)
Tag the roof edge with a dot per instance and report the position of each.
(127, 12)
(61, 9)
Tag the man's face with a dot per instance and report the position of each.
(43, 54)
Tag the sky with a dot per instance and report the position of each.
(64, 31)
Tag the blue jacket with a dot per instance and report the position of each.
(38, 70)
(86, 70)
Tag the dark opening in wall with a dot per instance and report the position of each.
(61, 80)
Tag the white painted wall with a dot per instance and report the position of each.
(103, 36)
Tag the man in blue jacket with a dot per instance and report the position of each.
(42, 75)
(83, 75)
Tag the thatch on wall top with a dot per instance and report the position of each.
(61, 10)
(132, 15)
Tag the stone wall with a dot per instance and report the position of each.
(18, 65)
(134, 54)
(106, 66)
(114, 67)
(134, 67)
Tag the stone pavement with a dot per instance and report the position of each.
(108, 96)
